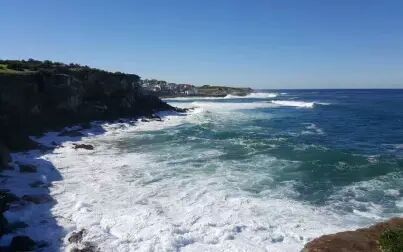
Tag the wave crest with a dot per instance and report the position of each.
(299, 104)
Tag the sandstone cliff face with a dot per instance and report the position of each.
(360, 240)
(34, 101)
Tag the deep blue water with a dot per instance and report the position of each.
(348, 146)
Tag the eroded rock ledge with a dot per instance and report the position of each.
(380, 237)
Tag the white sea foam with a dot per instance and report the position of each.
(312, 129)
(255, 95)
(132, 202)
(289, 103)
(159, 197)
(230, 106)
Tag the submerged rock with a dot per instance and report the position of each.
(38, 199)
(6, 198)
(27, 168)
(3, 225)
(83, 146)
(22, 243)
(360, 240)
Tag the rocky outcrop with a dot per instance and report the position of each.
(37, 96)
(361, 240)
(40, 96)
(83, 146)
(221, 91)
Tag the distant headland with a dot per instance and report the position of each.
(164, 89)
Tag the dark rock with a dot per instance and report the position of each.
(37, 199)
(22, 243)
(83, 146)
(51, 96)
(77, 237)
(3, 225)
(360, 240)
(6, 198)
(27, 168)
(37, 184)
(87, 247)
(6, 227)
(5, 157)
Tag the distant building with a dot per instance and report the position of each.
(160, 87)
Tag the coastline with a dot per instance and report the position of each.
(36, 204)
(78, 141)
(29, 211)
(74, 164)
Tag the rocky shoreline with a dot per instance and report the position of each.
(27, 221)
(41, 96)
(38, 97)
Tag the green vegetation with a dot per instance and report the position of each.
(392, 241)
(33, 66)
(4, 69)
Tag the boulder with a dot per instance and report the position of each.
(360, 240)
(83, 146)
(77, 237)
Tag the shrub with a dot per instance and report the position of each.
(392, 240)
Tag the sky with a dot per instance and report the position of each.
(267, 44)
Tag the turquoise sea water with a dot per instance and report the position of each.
(272, 170)
(266, 172)
(345, 150)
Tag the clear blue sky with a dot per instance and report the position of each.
(260, 43)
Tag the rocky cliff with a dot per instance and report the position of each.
(37, 96)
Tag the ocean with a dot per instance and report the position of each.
(265, 172)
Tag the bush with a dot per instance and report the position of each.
(392, 240)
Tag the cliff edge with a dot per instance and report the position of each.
(37, 96)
